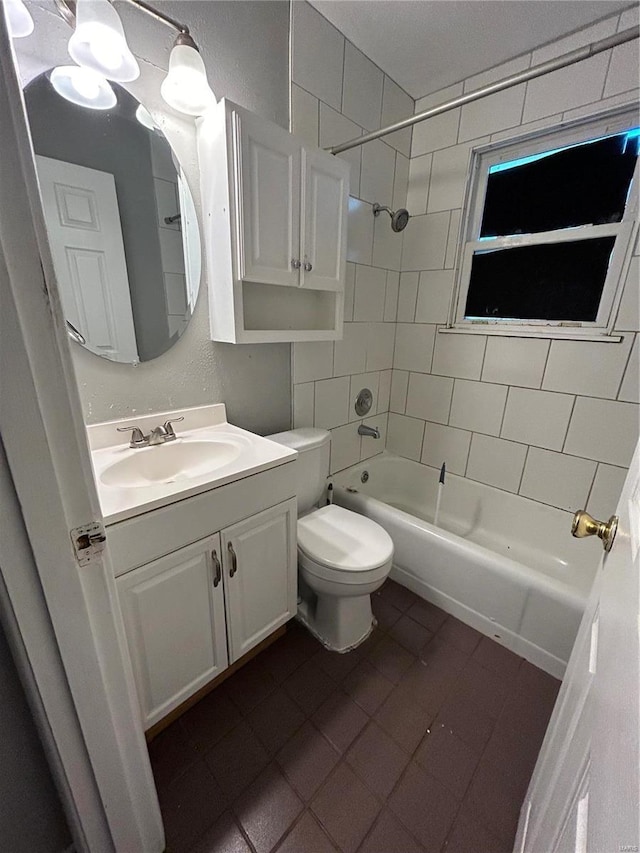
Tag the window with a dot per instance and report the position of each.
(549, 225)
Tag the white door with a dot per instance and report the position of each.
(260, 576)
(173, 612)
(584, 796)
(269, 178)
(85, 234)
(325, 194)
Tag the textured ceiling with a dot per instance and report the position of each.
(425, 45)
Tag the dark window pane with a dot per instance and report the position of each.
(553, 281)
(584, 185)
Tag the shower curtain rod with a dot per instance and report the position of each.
(521, 77)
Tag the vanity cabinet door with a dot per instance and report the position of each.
(260, 576)
(325, 192)
(269, 214)
(174, 618)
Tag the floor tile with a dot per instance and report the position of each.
(368, 687)
(494, 801)
(340, 720)
(275, 720)
(286, 655)
(410, 634)
(386, 614)
(237, 759)
(307, 759)
(430, 825)
(223, 837)
(346, 808)
(404, 720)
(482, 688)
(336, 665)
(447, 759)
(495, 657)
(389, 836)
(391, 659)
(466, 722)
(170, 754)
(441, 655)
(427, 686)
(458, 634)
(378, 760)
(309, 686)
(189, 806)
(210, 719)
(267, 809)
(307, 836)
(398, 596)
(250, 685)
(427, 614)
(469, 836)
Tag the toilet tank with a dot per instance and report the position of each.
(312, 465)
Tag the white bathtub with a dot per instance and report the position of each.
(503, 564)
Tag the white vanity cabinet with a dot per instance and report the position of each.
(275, 214)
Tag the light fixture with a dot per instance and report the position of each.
(19, 20)
(144, 117)
(185, 88)
(83, 87)
(99, 42)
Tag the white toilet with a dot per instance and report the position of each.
(342, 557)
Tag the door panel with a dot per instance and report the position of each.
(261, 582)
(174, 616)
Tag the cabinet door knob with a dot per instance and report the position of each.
(295, 263)
(218, 569)
(308, 266)
(234, 560)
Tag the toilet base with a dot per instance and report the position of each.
(340, 624)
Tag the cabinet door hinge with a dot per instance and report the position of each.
(88, 541)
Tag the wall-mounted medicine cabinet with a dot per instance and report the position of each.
(275, 220)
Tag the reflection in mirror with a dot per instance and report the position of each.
(120, 220)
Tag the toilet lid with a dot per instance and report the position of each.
(343, 540)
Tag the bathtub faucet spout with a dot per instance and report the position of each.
(372, 432)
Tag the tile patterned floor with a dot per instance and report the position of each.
(422, 740)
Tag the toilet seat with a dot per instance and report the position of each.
(335, 543)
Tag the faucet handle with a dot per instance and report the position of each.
(169, 429)
(138, 439)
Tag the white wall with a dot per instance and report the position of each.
(245, 49)
(336, 94)
(555, 421)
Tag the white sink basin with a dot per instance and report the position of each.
(178, 461)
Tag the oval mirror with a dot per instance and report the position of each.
(120, 220)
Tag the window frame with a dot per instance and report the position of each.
(485, 156)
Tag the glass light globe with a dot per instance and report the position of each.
(19, 20)
(99, 42)
(185, 88)
(83, 87)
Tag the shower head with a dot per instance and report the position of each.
(399, 218)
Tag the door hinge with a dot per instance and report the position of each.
(88, 541)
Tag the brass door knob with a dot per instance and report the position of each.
(585, 525)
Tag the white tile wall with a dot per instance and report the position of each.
(515, 361)
(359, 232)
(459, 358)
(537, 417)
(446, 444)
(419, 179)
(425, 242)
(377, 173)
(359, 382)
(371, 288)
(449, 170)
(630, 388)
(434, 296)
(384, 390)
(399, 386)
(349, 292)
(334, 129)
(478, 406)
(401, 181)
(582, 367)
(629, 311)
(332, 402)
(605, 491)
(603, 430)
(440, 131)
(303, 403)
(317, 55)
(407, 297)
(312, 360)
(404, 436)
(345, 447)
(557, 479)
(391, 297)
(362, 89)
(429, 397)
(414, 347)
(387, 244)
(496, 462)
(305, 115)
(350, 354)
(396, 105)
(380, 345)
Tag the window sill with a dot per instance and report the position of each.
(549, 333)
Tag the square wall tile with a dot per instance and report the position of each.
(477, 406)
(303, 397)
(397, 105)
(332, 402)
(446, 444)
(384, 390)
(312, 360)
(515, 361)
(629, 310)
(630, 388)
(429, 397)
(557, 479)
(401, 181)
(440, 131)
(567, 88)
(449, 171)
(362, 95)
(358, 382)
(414, 347)
(305, 115)
(453, 240)
(606, 490)
(404, 436)
(345, 447)
(496, 462)
(387, 244)
(349, 292)
(537, 417)
(391, 298)
(407, 297)
(399, 385)
(590, 368)
(425, 242)
(377, 173)
(623, 69)
(603, 430)
(380, 345)
(459, 355)
(371, 288)
(335, 129)
(359, 232)
(373, 446)
(317, 54)
(419, 178)
(434, 296)
(351, 352)
(499, 111)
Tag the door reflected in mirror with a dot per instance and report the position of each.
(120, 220)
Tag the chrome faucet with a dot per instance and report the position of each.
(158, 435)
(372, 432)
